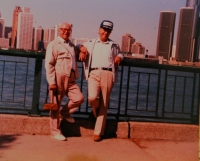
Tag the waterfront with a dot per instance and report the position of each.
(141, 91)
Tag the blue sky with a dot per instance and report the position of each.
(139, 18)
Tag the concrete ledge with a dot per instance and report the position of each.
(20, 124)
(123, 130)
(165, 131)
(23, 124)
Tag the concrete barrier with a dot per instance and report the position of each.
(20, 124)
(165, 131)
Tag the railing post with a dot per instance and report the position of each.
(127, 90)
(36, 88)
(164, 93)
(198, 101)
(158, 92)
(120, 93)
(194, 118)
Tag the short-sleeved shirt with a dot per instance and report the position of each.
(102, 55)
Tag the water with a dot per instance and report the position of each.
(139, 94)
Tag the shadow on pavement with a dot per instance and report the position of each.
(5, 140)
(71, 130)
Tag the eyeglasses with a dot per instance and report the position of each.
(64, 30)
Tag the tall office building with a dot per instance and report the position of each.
(2, 28)
(127, 41)
(33, 38)
(184, 36)
(45, 37)
(4, 43)
(25, 30)
(165, 34)
(51, 36)
(7, 31)
(137, 48)
(45, 34)
(16, 11)
(195, 44)
(26, 9)
(192, 3)
(48, 36)
(38, 36)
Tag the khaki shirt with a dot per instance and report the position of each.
(59, 59)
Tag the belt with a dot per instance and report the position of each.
(102, 68)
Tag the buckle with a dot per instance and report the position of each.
(102, 68)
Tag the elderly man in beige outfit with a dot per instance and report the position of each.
(61, 73)
(101, 68)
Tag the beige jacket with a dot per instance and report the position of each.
(58, 59)
(87, 63)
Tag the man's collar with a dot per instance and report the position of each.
(62, 40)
(107, 42)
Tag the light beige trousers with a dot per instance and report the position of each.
(66, 86)
(100, 84)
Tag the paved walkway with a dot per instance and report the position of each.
(44, 148)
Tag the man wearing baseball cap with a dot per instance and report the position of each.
(100, 69)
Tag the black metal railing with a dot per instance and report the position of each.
(145, 91)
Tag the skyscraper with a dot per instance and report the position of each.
(195, 44)
(45, 37)
(137, 48)
(2, 28)
(4, 43)
(7, 31)
(16, 11)
(127, 41)
(51, 36)
(192, 3)
(26, 9)
(25, 30)
(38, 36)
(165, 34)
(184, 36)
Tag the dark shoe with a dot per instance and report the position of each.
(97, 138)
(92, 117)
(70, 119)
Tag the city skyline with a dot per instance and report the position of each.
(142, 25)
